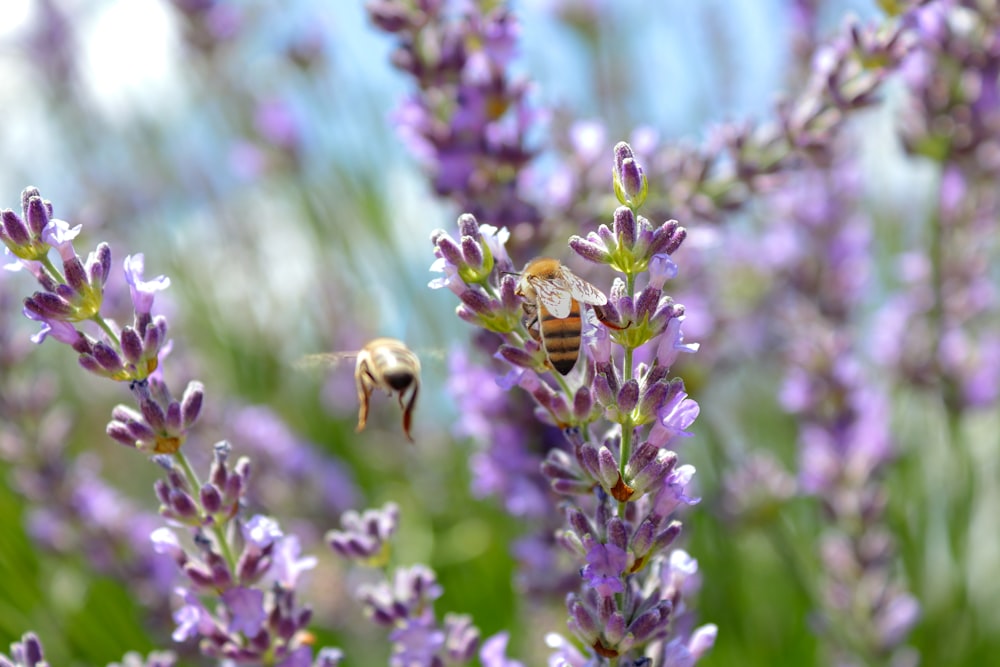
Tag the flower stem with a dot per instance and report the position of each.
(217, 530)
(626, 448)
(101, 322)
(51, 268)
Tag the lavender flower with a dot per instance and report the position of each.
(365, 537)
(154, 659)
(249, 569)
(621, 497)
(26, 653)
(402, 600)
(256, 612)
(845, 441)
(494, 652)
(704, 183)
(469, 120)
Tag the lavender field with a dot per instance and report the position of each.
(697, 314)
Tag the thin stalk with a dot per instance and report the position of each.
(217, 530)
(627, 429)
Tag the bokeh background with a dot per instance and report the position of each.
(252, 157)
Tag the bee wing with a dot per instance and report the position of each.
(554, 296)
(324, 360)
(583, 291)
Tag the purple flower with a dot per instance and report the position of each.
(494, 652)
(142, 291)
(60, 235)
(897, 619)
(27, 652)
(287, 566)
(165, 542)
(673, 419)
(605, 565)
(192, 618)
(681, 575)
(246, 610)
(672, 343)
(62, 331)
(365, 536)
(674, 491)
(261, 531)
(686, 651)
(275, 120)
(565, 654)
(416, 642)
(469, 122)
(329, 657)
(300, 657)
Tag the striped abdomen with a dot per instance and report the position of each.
(561, 337)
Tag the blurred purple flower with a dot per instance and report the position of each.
(246, 610)
(287, 565)
(416, 642)
(143, 291)
(605, 565)
(192, 618)
(494, 652)
(261, 531)
(263, 434)
(674, 491)
(275, 120)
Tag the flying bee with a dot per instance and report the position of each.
(386, 364)
(553, 295)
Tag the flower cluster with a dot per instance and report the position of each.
(469, 120)
(740, 159)
(248, 569)
(845, 441)
(939, 330)
(28, 653)
(402, 600)
(130, 353)
(623, 487)
(257, 613)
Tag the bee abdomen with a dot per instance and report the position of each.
(562, 341)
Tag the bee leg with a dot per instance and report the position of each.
(408, 409)
(531, 323)
(599, 312)
(365, 384)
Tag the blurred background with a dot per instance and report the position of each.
(249, 150)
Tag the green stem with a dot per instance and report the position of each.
(627, 429)
(101, 322)
(53, 271)
(217, 530)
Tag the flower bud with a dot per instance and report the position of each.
(583, 622)
(211, 499)
(624, 227)
(14, 228)
(131, 345)
(37, 215)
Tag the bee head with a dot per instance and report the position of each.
(398, 379)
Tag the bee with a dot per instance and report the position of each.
(386, 364)
(553, 295)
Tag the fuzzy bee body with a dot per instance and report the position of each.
(383, 363)
(553, 295)
(387, 364)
